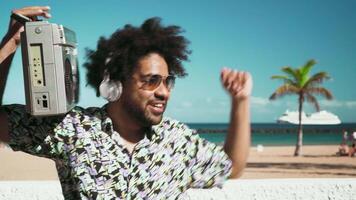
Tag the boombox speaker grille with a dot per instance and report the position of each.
(71, 82)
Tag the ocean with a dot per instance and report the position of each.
(273, 134)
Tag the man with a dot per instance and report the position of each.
(127, 149)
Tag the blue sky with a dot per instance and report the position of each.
(252, 35)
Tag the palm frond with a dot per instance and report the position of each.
(303, 73)
(285, 79)
(289, 71)
(317, 78)
(311, 99)
(320, 91)
(283, 90)
(279, 77)
(305, 69)
(302, 79)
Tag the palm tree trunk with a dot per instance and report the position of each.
(298, 147)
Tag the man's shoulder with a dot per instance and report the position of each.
(20, 108)
(13, 107)
(168, 122)
(18, 112)
(89, 111)
(77, 115)
(172, 126)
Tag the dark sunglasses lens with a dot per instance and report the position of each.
(170, 82)
(153, 82)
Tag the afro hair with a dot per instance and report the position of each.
(119, 54)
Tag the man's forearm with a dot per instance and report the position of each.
(7, 51)
(8, 47)
(237, 144)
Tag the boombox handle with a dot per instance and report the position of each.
(22, 18)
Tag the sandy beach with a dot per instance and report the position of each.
(318, 161)
(272, 162)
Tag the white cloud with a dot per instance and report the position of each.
(187, 104)
(259, 101)
(350, 104)
(260, 105)
(338, 103)
(333, 103)
(263, 102)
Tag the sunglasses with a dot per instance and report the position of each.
(152, 82)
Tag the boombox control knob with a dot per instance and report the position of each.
(67, 51)
(38, 30)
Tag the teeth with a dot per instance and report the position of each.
(159, 105)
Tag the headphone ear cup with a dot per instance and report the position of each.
(110, 90)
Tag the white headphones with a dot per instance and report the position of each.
(109, 89)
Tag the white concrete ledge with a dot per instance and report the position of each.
(280, 189)
(245, 189)
(30, 190)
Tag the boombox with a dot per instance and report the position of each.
(50, 66)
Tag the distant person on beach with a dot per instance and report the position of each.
(344, 147)
(353, 139)
(127, 149)
(352, 151)
(344, 150)
(345, 137)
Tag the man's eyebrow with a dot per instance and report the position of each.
(149, 75)
(146, 75)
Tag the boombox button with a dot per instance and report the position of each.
(67, 51)
(38, 30)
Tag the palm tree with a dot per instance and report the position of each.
(298, 81)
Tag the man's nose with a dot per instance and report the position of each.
(162, 91)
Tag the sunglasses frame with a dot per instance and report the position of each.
(156, 81)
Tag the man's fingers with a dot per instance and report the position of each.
(230, 77)
(237, 83)
(34, 11)
(236, 79)
(224, 72)
(224, 76)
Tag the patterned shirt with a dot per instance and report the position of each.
(93, 164)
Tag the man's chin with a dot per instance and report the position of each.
(156, 120)
(150, 119)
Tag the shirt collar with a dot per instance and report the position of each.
(152, 134)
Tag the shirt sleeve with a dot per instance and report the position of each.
(63, 137)
(27, 132)
(210, 165)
